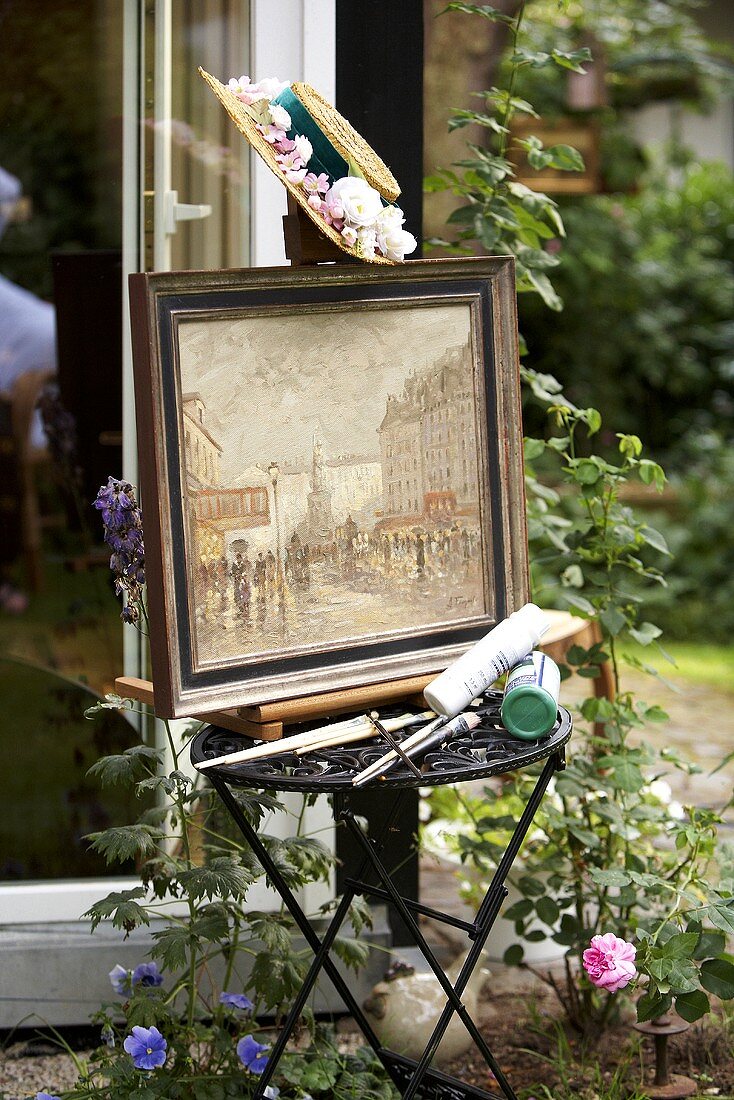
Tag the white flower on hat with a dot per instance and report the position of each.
(392, 240)
(280, 116)
(396, 243)
(304, 148)
(366, 243)
(390, 218)
(361, 203)
(271, 87)
(349, 235)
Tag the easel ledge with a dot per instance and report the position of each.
(265, 722)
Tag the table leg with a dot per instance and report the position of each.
(320, 947)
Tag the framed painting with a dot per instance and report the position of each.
(331, 474)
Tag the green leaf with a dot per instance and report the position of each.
(485, 10)
(579, 602)
(585, 836)
(613, 619)
(125, 842)
(542, 284)
(519, 910)
(352, 952)
(223, 877)
(572, 59)
(112, 701)
(126, 767)
(655, 539)
(722, 916)
(680, 946)
(692, 1006)
(530, 887)
(586, 472)
(709, 944)
(593, 420)
(565, 158)
(172, 946)
(122, 907)
(612, 877)
(652, 1005)
(534, 448)
(645, 633)
(255, 804)
(717, 976)
(547, 910)
(513, 956)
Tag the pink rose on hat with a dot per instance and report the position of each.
(609, 962)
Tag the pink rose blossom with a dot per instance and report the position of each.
(315, 201)
(271, 133)
(250, 92)
(314, 183)
(350, 236)
(292, 165)
(286, 145)
(609, 962)
(336, 210)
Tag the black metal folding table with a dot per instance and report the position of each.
(488, 750)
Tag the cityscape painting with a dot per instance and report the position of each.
(332, 480)
(331, 474)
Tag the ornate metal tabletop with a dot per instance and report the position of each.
(487, 750)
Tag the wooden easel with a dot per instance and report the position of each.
(304, 245)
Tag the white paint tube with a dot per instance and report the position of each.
(485, 662)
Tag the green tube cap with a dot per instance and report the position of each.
(528, 712)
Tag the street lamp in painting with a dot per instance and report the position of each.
(274, 470)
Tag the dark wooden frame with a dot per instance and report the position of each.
(158, 303)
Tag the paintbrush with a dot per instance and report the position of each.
(421, 742)
(351, 729)
(364, 733)
(414, 739)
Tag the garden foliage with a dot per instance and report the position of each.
(610, 854)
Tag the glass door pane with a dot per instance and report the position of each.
(61, 118)
(197, 169)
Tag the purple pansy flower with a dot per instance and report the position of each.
(236, 1000)
(46, 1096)
(147, 974)
(121, 980)
(252, 1054)
(147, 1047)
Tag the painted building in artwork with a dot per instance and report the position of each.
(428, 442)
(203, 452)
(218, 513)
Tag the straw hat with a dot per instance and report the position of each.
(338, 151)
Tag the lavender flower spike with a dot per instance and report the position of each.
(123, 533)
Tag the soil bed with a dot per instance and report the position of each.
(535, 1050)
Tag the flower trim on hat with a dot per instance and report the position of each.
(350, 205)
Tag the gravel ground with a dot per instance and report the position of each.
(30, 1067)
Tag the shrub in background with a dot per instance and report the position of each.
(647, 282)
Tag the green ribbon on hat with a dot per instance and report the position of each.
(325, 157)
